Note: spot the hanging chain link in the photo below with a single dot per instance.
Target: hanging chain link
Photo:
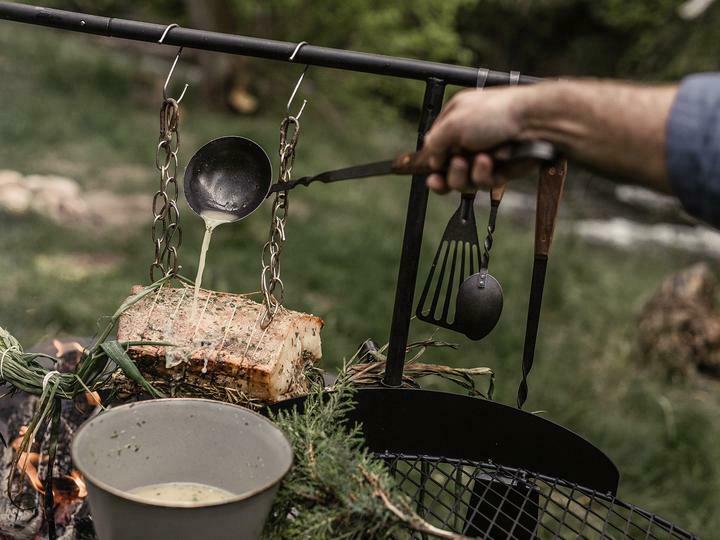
(270, 282)
(166, 232)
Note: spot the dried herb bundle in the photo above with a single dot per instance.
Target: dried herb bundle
(371, 373)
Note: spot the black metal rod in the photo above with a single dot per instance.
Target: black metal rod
(249, 46)
(412, 242)
(533, 322)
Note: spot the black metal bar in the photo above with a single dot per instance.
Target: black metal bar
(533, 321)
(249, 46)
(412, 242)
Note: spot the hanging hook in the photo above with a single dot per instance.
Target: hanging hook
(298, 83)
(482, 77)
(172, 68)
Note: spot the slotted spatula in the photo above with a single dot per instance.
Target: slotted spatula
(457, 258)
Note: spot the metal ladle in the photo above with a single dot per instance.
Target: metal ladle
(234, 175)
(229, 174)
(480, 297)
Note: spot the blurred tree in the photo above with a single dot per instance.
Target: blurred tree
(422, 29)
(226, 78)
(645, 39)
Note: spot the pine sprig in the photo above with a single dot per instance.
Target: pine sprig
(325, 496)
(336, 488)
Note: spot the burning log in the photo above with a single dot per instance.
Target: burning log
(218, 347)
(23, 517)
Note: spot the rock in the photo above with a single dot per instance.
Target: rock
(649, 200)
(679, 327)
(55, 185)
(628, 234)
(9, 177)
(15, 198)
(117, 211)
(63, 201)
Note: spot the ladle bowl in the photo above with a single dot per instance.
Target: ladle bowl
(230, 174)
(478, 309)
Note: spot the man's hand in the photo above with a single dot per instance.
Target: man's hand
(617, 129)
(471, 122)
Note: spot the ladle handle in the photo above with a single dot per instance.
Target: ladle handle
(496, 195)
(541, 151)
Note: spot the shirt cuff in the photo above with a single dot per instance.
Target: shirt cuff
(693, 146)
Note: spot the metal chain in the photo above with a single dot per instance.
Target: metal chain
(166, 232)
(271, 284)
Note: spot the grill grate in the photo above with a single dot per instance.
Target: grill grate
(483, 499)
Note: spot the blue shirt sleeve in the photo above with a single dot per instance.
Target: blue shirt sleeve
(693, 146)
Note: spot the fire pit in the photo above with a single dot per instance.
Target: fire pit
(23, 516)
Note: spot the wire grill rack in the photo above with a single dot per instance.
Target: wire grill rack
(487, 500)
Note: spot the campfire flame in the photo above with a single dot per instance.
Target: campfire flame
(70, 348)
(80, 482)
(63, 348)
(28, 465)
(67, 489)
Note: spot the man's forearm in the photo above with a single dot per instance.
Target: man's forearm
(617, 128)
(666, 138)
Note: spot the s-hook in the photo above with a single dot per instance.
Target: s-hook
(172, 68)
(482, 77)
(298, 83)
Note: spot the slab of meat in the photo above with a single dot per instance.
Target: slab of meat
(218, 343)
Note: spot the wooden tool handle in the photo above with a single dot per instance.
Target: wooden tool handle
(496, 194)
(411, 163)
(540, 151)
(550, 186)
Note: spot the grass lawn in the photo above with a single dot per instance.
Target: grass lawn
(69, 107)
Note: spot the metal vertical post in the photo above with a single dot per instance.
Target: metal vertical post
(412, 242)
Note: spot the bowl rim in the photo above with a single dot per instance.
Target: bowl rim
(184, 506)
